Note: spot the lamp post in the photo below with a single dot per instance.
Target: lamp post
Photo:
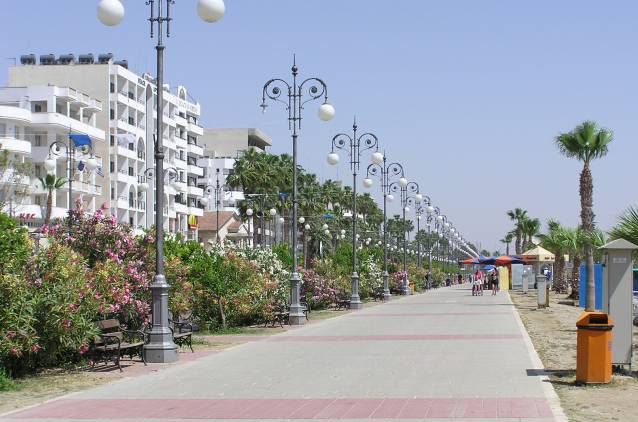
(260, 203)
(315, 89)
(410, 195)
(354, 145)
(385, 172)
(160, 348)
(419, 211)
(55, 149)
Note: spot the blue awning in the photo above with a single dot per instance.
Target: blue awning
(80, 140)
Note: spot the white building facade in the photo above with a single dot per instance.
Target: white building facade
(35, 124)
(128, 118)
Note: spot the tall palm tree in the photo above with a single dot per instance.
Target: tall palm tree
(530, 228)
(506, 241)
(586, 143)
(518, 215)
(50, 183)
(556, 241)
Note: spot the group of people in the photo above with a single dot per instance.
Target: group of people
(481, 281)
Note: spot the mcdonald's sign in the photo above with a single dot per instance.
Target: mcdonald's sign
(192, 222)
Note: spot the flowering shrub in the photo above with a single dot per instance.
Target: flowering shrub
(396, 282)
(318, 291)
(46, 316)
(370, 276)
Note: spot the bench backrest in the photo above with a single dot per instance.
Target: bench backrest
(108, 326)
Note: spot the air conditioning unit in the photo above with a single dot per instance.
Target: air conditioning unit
(27, 59)
(86, 59)
(104, 58)
(123, 63)
(66, 59)
(47, 59)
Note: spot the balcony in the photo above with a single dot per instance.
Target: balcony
(83, 187)
(125, 152)
(195, 128)
(195, 169)
(195, 149)
(15, 113)
(18, 146)
(66, 123)
(196, 211)
(123, 176)
(181, 208)
(195, 191)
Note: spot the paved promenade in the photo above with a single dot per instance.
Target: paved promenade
(436, 356)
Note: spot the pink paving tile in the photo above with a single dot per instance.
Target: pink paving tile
(389, 409)
(251, 409)
(395, 337)
(426, 314)
(415, 409)
(441, 408)
(363, 408)
(311, 408)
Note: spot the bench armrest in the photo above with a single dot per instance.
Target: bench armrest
(135, 333)
(111, 339)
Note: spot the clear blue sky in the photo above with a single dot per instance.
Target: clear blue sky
(468, 95)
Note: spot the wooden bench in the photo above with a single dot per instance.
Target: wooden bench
(113, 342)
(281, 314)
(182, 331)
(341, 301)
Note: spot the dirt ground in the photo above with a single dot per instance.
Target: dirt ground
(553, 332)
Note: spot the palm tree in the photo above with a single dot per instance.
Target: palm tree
(556, 241)
(530, 227)
(574, 247)
(586, 143)
(50, 183)
(627, 227)
(506, 241)
(518, 215)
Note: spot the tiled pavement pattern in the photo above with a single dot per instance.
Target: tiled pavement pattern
(437, 356)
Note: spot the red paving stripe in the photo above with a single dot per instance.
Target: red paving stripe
(425, 314)
(245, 409)
(395, 337)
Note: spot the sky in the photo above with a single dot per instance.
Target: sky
(468, 95)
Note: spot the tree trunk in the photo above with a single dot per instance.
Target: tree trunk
(587, 218)
(573, 282)
(560, 286)
(47, 218)
(222, 315)
(517, 244)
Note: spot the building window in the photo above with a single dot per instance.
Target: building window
(130, 221)
(112, 114)
(112, 167)
(112, 87)
(112, 140)
(131, 121)
(112, 192)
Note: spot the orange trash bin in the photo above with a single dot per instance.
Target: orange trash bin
(593, 348)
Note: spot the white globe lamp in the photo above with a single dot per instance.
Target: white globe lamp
(326, 112)
(50, 164)
(302, 220)
(367, 183)
(333, 158)
(273, 212)
(210, 10)
(376, 158)
(249, 212)
(390, 198)
(110, 12)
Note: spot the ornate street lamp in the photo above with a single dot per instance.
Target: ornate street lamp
(410, 195)
(419, 211)
(59, 149)
(385, 172)
(354, 145)
(313, 88)
(160, 348)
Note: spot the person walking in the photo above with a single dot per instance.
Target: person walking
(477, 288)
(494, 282)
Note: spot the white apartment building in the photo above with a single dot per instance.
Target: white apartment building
(222, 147)
(34, 118)
(128, 117)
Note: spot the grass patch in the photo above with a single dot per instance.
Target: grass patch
(6, 382)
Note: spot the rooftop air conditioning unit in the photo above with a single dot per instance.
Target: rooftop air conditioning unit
(27, 59)
(47, 59)
(66, 59)
(104, 58)
(86, 59)
(123, 63)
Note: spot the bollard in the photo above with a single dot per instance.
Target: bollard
(541, 289)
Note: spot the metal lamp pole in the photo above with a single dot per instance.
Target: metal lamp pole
(314, 88)
(56, 149)
(161, 348)
(385, 172)
(354, 145)
(410, 195)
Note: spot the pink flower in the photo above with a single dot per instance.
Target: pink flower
(11, 334)
(14, 352)
(83, 349)
(35, 347)
(73, 307)
(66, 324)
